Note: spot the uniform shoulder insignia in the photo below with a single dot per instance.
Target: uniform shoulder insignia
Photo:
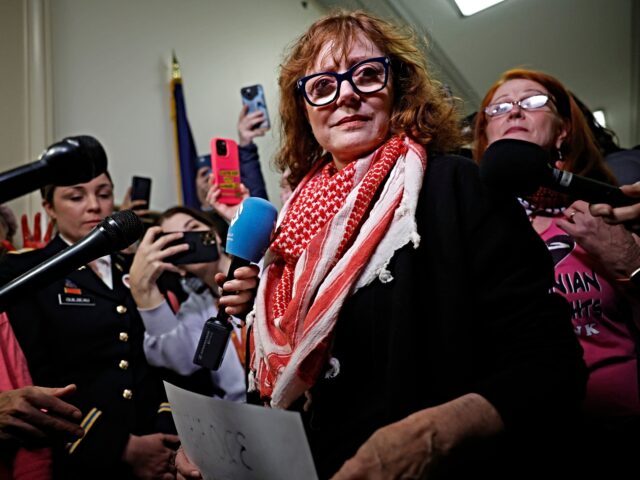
(21, 251)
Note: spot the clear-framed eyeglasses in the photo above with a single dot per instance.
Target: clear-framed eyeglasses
(533, 102)
(368, 76)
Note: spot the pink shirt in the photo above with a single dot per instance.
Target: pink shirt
(601, 319)
(26, 464)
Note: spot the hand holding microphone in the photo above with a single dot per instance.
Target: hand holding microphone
(239, 290)
(248, 238)
(613, 246)
(628, 215)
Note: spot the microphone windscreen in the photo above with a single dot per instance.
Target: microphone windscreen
(122, 229)
(250, 230)
(77, 159)
(515, 166)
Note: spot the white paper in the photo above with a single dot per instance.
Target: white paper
(236, 441)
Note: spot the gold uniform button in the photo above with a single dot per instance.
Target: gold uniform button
(127, 394)
(121, 309)
(123, 364)
(123, 336)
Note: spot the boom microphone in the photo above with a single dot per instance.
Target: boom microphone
(248, 238)
(111, 235)
(520, 168)
(70, 161)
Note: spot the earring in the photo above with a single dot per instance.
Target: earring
(559, 154)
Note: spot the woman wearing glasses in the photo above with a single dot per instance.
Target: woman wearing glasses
(592, 260)
(396, 314)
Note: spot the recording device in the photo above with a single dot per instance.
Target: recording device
(253, 96)
(520, 168)
(141, 190)
(248, 238)
(70, 161)
(225, 164)
(112, 234)
(202, 248)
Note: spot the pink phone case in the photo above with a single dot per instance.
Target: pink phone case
(226, 167)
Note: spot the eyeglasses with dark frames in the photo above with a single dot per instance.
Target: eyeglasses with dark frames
(533, 102)
(367, 76)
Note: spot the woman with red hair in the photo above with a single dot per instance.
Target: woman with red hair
(593, 260)
(394, 312)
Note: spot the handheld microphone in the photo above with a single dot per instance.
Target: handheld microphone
(68, 162)
(248, 238)
(520, 168)
(111, 235)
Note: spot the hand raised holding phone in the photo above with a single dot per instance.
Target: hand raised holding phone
(225, 211)
(140, 192)
(150, 262)
(138, 195)
(254, 99)
(247, 122)
(225, 169)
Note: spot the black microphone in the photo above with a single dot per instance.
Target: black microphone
(72, 160)
(520, 168)
(110, 235)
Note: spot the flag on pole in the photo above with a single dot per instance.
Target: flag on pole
(186, 155)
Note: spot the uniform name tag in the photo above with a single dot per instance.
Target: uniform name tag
(76, 300)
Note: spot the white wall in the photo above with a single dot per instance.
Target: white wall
(111, 72)
(13, 112)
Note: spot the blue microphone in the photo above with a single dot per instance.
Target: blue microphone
(250, 230)
(248, 238)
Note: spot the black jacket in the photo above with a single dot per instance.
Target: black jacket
(469, 310)
(77, 330)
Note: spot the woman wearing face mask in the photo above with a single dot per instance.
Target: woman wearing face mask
(84, 329)
(171, 338)
(395, 314)
(592, 259)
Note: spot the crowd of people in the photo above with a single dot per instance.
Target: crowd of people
(421, 323)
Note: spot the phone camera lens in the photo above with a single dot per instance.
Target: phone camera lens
(221, 147)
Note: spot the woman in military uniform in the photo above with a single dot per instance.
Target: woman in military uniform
(85, 329)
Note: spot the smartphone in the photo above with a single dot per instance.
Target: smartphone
(225, 165)
(141, 190)
(253, 96)
(202, 248)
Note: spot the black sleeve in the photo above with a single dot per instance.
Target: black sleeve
(12, 265)
(250, 172)
(26, 320)
(533, 371)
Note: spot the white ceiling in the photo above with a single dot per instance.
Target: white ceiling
(592, 46)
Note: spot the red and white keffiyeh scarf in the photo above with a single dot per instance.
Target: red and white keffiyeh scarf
(336, 234)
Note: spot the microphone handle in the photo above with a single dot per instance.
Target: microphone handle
(236, 262)
(215, 334)
(589, 190)
(22, 180)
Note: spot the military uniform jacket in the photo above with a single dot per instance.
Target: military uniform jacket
(77, 330)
